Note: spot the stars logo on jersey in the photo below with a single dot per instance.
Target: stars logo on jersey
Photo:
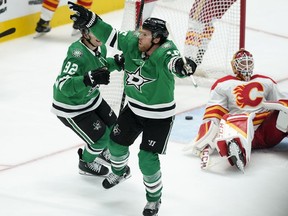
(77, 53)
(97, 125)
(116, 130)
(137, 80)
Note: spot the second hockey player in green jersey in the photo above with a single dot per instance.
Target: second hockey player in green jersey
(78, 104)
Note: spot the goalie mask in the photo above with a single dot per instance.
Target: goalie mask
(243, 64)
(157, 27)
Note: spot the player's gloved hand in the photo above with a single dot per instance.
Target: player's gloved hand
(119, 60)
(96, 77)
(185, 69)
(82, 17)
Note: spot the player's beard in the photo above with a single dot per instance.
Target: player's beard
(143, 47)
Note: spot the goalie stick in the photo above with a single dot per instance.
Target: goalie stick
(7, 32)
(205, 158)
(206, 163)
(138, 21)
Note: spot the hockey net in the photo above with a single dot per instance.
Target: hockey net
(208, 31)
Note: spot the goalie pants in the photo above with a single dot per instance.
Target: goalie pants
(155, 134)
(267, 135)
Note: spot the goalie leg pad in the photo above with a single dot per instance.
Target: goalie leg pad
(238, 128)
(206, 135)
(222, 148)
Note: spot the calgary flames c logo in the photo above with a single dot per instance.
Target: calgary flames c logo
(248, 95)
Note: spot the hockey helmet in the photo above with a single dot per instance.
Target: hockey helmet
(157, 27)
(243, 64)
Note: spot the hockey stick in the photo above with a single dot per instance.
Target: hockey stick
(7, 32)
(215, 162)
(187, 67)
(205, 158)
(138, 21)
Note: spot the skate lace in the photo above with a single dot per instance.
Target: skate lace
(112, 178)
(94, 166)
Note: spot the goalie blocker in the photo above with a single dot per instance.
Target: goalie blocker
(282, 119)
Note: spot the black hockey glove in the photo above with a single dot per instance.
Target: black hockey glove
(82, 18)
(185, 69)
(96, 77)
(119, 60)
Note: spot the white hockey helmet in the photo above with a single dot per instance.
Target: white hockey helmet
(243, 64)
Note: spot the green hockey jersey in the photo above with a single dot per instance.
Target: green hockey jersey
(148, 82)
(70, 95)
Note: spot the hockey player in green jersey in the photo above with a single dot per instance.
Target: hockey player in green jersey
(77, 101)
(151, 61)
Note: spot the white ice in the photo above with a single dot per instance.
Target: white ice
(38, 159)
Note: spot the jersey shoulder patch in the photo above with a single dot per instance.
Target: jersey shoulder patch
(167, 45)
(77, 53)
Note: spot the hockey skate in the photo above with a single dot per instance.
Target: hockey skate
(114, 179)
(42, 28)
(91, 169)
(235, 155)
(152, 208)
(104, 158)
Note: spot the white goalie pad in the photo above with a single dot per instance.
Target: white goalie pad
(206, 136)
(282, 119)
(238, 127)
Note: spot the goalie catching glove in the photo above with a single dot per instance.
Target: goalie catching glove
(184, 68)
(96, 77)
(82, 18)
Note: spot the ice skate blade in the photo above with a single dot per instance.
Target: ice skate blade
(37, 35)
(89, 174)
